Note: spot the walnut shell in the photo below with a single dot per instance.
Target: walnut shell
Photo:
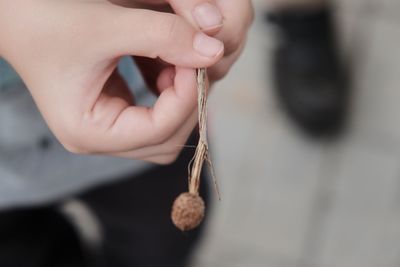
(187, 211)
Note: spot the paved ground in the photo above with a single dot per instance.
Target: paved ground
(293, 202)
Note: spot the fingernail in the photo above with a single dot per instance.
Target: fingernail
(207, 16)
(206, 45)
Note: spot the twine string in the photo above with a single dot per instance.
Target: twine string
(201, 153)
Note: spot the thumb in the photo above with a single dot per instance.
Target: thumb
(154, 34)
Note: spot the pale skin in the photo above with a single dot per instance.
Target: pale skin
(67, 51)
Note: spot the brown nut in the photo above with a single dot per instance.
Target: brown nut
(187, 211)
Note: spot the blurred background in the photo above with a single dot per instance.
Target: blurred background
(289, 200)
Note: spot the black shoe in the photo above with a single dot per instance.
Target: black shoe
(309, 78)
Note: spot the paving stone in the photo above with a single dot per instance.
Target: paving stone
(376, 100)
(361, 228)
(291, 202)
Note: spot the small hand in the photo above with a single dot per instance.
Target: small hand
(226, 20)
(67, 52)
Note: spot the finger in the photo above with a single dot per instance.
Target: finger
(153, 34)
(219, 70)
(238, 16)
(204, 14)
(166, 79)
(114, 94)
(169, 149)
(132, 127)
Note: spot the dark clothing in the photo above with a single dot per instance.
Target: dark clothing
(134, 214)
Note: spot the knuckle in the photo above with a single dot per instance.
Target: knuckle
(172, 35)
(171, 26)
(232, 44)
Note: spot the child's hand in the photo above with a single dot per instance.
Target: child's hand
(226, 20)
(67, 52)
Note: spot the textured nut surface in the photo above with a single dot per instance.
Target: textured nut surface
(187, 211)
